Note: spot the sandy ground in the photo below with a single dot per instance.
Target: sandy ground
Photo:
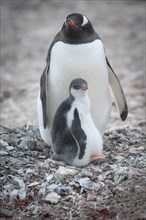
(27, 29)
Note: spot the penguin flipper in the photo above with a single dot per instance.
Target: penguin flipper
(43, 96)
(44, 83)
(117, 92)
(78, 134)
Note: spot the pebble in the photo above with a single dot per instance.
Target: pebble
(119, 158)
(22, 193)
(52, 197)
(133, 150)
(6, 213)
(10, 148)
(63, 173)
(3, 153)
(49, 177)
(85, 182)
(35, 183)
(41, 191)
(35, 210)
(141, 149)
(8, 187)
(52, 187)
(24, 145)
(3, 143)
(51, 162)
(86, 173)
(18, 181)
(63, 190)
(13, 194)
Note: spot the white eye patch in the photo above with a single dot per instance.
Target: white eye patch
(85, 21)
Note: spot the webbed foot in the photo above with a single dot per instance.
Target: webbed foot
(97, 156)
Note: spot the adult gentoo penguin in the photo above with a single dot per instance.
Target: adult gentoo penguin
(77, 51)
(75, 139)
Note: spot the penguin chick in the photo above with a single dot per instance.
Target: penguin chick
(75, 139)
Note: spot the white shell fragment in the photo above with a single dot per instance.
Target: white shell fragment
(52, 198)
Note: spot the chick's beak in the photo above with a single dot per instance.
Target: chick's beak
(84, 87)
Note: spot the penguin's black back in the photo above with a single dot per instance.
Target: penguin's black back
(63, 142)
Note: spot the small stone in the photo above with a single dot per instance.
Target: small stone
(13, 170)
(92, 196)
(41, 192)
(6, 213)
(9, 148)
(86, 173)
(24, 145)
(29, 171)
(35, 183)
(3, 143)
(119, 158)
(86, 183)
(35, 153)
(52, 197)
(133, 150)
(37, 134)
(21, 171)
(52, 187)
(49, 177)
(63, 190)
(13, 194)
(3, 153)
(140, 149)
(22, 194)
(74, 184)
(120, 175)
(36, 210)
(49, 161)
(64, 172)
(100, 200)
(19, 181)
(8, 187)
(41, 156)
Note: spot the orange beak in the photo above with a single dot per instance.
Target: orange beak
(71, 23)
(84, 87)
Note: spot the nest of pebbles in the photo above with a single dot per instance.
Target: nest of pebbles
(33, 186)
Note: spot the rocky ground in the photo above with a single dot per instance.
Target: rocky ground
(35, 187)
(32, 185)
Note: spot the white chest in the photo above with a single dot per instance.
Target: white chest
(71, 61)
(94, 142)
(85, 61)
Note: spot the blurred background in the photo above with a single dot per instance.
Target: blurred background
(27, 29)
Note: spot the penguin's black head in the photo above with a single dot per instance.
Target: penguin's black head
(78, 29)
(78, 87)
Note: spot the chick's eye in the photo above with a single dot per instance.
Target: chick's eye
(75, 86)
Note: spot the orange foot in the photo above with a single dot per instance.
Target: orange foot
(97, 156)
